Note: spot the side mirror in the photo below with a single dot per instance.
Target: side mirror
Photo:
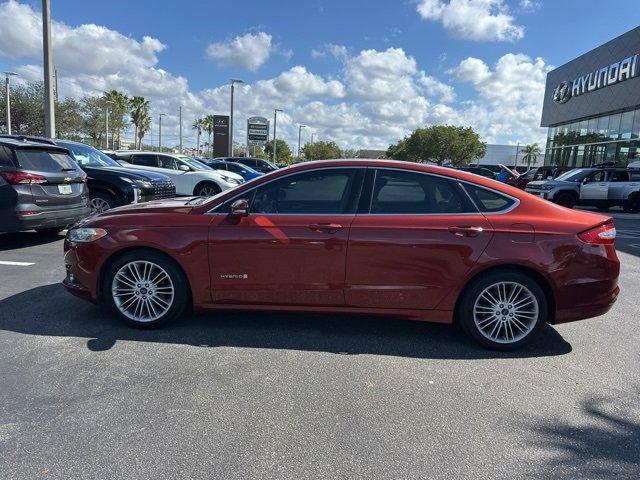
(239, 208)
(549, 177)
(184, 168)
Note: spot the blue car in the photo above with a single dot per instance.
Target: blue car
(244, 171)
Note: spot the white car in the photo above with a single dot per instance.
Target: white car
(189, 176)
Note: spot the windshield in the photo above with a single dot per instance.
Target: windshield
(576, 175)
(192, 162)
(87, 156)
(238, 167)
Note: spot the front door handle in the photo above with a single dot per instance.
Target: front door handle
(325, 227)
(466, 231)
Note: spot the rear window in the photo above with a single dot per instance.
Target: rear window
(488, 200)
(44, 160)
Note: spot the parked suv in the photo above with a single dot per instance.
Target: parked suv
(541, 173)
(601, 187)
(258, 164)
(41, 187)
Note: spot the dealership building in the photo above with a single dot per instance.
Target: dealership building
(592, 106)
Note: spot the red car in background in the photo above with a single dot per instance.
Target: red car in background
(358, 236)
(540, 173)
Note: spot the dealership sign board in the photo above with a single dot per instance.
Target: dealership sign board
(220, 135)
(603, 77)
(257, 130)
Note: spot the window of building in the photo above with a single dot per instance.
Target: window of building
(635, 131)
(626, 125)
(602, 130)
(614, 126)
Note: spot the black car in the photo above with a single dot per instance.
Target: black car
(264, 166)
(41, 187)
(110, 184)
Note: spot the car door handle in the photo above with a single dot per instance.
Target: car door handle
(325, 227)
(466, 231)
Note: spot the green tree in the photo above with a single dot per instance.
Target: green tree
(118, 104)
(283, 152)
(321, 150)
(208, 124)
(531, 153)
(198, 126)
(439, 144)
(92, 109)
(139, 112)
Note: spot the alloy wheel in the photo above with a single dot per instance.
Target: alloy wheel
(142, 291)
(505, 312)
(99, 205)
(208, 191)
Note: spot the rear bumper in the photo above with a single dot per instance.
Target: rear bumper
(45, 219)
(600, 306)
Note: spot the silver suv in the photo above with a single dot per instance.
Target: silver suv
(600, 187)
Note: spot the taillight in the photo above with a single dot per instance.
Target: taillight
(17, 178)
(604, 234)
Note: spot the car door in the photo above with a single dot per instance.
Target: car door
(594, 187)
(183, 181)
(413, 242)
(291, 248)
(619, 183)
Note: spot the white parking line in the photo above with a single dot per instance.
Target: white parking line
(17, 264)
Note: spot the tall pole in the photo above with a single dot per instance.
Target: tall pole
(106, 122)
(49, 107)
(8, 99)
(160, 132)
(180, 128)
(275, 120)
(517, 150)
(233, 82)
(299, 135)
(312, 135)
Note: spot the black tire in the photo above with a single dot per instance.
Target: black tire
(603, 208)
(565, 199)
(50, 232)
(207, 189)
(180, 299)
(104, 199)
(632, 204)
(465, 309)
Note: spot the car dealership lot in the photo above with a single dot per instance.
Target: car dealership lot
(248, 395)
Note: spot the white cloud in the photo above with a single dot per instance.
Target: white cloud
(248, 51)
(482, 20)
(338, 51)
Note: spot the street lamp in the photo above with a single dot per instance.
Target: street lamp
(300, 127)
(8, 99)
(106, 118)
(233, 82)
(49, 107)
(275, 119)
(160, 131)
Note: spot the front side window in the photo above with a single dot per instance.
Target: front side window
(596, 176)
(168, 162)
(397, 192)
(317, 192)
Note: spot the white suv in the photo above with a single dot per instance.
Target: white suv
(189, 175)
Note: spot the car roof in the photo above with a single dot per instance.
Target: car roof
(20, 142)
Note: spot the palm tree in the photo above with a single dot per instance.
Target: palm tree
(119, 104)
(208, 127)
(531, 153)
(198, 126)
(140, 118)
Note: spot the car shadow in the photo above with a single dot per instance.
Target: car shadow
(606, 444)
(50, 310)
(14, 241)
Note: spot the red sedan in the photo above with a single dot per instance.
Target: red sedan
(358, 236)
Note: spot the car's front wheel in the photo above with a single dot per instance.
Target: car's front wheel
(146, 289)
(503, 310)
(207, 189)
(101, 202)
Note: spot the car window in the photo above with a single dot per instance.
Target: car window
(396, 192)
(576, 175)
(6, 156)
(634, 176)
(317, 192)
(45, 160)
(597, 176)
(146, 160)
(488, 201)
(619, 176)
(168, 162)
(88, 156)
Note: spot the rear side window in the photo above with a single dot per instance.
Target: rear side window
(45, 160)
(398, 192)
(488, 201)
(619, 176)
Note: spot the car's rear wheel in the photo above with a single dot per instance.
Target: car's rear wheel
(632, 204)
(565, 199)
(207, 189)
(503, 310)
(101, 202)
(145, 289)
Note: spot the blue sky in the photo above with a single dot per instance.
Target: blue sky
(428, 61)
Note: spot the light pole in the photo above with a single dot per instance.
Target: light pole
(8, 99)
(275, 119)
(180, 128)
(313, 134)
(49, 107)
(300, 127)
(106, 120)
(233, 82)
(160, 132)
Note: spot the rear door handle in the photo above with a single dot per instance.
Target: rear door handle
(466, 231)
(325, 227)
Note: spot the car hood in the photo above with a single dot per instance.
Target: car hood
(132, 174)
(553, 183)
(168, 205)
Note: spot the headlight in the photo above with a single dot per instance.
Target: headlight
(84, 235)
(546, 187)
(230, 180)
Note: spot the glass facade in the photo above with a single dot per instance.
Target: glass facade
(607, 138)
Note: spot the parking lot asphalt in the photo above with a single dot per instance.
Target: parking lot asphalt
(244, 395)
